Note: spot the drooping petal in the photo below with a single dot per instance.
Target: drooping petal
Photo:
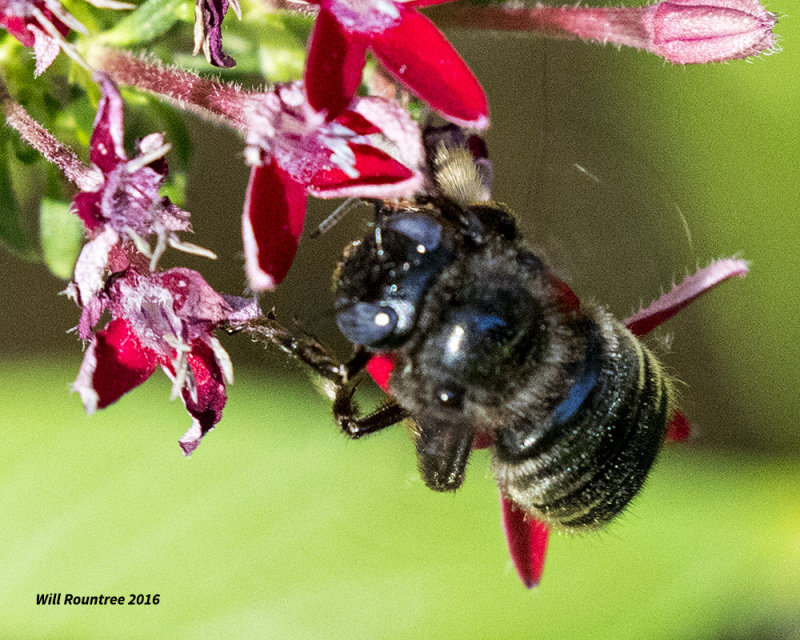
(114, 363)
(274, 210)
(334, 65)
(527, 542)
(645, 320)
(206, 399)
(106, 149)
(416, 53)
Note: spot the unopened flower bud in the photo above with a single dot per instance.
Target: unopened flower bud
(687, 31)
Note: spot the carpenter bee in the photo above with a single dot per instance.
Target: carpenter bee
(487, 344)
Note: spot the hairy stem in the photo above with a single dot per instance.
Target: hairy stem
(46, 143)
(207, 97)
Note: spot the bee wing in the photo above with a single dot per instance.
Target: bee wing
(527, 542)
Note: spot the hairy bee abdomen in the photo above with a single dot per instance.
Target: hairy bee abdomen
(584, 465)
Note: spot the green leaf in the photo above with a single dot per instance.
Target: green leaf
(61, 237)
(152, 19)
(11, 231)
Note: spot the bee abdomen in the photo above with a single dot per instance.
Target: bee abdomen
(593, 456)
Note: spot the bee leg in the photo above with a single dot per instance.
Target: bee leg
(305, 347)
(310, 351)
(346, 414)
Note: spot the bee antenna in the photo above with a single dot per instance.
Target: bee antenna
(335, 217)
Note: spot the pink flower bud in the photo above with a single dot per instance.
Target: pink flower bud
(681, 31)
(688, 31)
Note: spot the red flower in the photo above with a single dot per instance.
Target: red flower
(165, 319)
(410, 47)
(372, 149)
(41, 24)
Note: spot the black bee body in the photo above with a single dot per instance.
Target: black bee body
(485, 344)
(488, 346)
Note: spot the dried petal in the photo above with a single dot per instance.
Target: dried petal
(209, 15)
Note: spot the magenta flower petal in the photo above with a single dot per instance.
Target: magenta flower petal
(274, 210)
(106, 149)
(334, 64)
(114, 363)
(527, 542)
(645, 320)
(357, 123)
(206, 400)
(422, 59)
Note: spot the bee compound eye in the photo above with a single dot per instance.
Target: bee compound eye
(366, 323)
(420, 228)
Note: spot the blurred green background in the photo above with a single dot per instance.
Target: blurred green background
(279, 527)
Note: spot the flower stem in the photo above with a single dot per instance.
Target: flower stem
(207, 97)
(46, 143)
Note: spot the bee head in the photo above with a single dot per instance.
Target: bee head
(383, 279)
